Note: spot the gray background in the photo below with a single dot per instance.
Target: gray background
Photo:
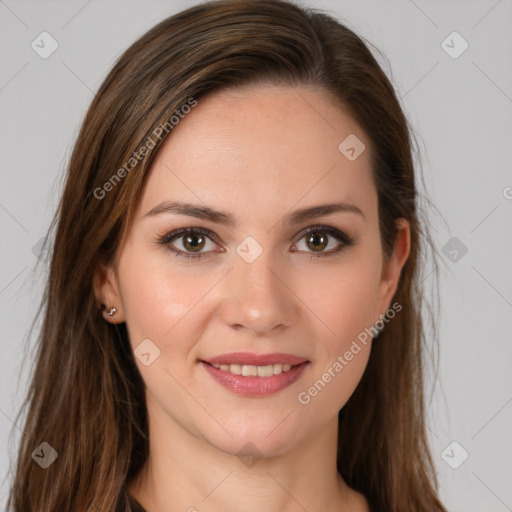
(460, 109)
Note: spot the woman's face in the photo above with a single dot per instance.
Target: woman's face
(260, 284)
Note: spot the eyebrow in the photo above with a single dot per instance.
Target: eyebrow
(228, 219)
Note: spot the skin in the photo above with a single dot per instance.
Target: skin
(259, 153)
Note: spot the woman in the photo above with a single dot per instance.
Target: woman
(233, 317)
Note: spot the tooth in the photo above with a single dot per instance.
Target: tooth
(236, 369)
(249, 371)
(278, 368)
(265, 371)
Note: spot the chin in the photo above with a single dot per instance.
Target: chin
(253, 442)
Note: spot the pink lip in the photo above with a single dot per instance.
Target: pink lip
(255, 386)
(248, 358)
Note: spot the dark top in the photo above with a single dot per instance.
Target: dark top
(128, 503)
(135, 506)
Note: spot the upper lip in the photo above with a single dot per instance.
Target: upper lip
(247, 358)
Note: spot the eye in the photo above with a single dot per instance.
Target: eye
(190, 242)
(319, 238)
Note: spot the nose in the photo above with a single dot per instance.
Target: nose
(259, 297)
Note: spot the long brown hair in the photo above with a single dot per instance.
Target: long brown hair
(86, 397)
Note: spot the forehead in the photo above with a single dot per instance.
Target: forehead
(261, 146)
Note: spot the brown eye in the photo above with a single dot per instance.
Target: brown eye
(193, 242)
(317, 241)
(319, 238)
(190, 242)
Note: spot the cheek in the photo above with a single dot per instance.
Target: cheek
(343, 296)
(342, 352)
(157, 297)
(332, 385)
(162, 304)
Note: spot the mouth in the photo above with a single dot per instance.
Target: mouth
(266, 375)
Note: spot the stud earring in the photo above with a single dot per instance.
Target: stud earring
(112, 312)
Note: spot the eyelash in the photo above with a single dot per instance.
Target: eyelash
(165, 240)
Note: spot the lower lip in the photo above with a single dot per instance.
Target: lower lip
(255, 386)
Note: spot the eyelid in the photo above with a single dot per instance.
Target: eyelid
(330, 230)
(176, 233)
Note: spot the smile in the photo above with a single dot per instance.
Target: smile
(255, 381)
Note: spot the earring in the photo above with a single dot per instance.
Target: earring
(112, 312)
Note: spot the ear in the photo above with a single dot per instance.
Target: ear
(393, 265)
(106, 291)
